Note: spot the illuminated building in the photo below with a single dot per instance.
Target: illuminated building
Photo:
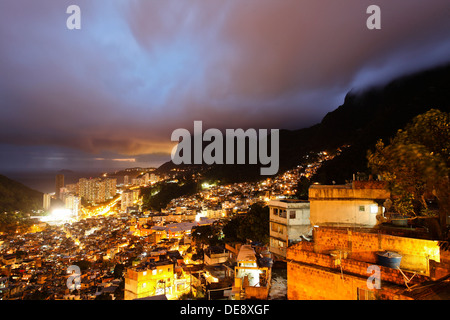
(72, 203)
(289, 220)
(73, 188)
(359, 259)
(146, 178)
(215, 255)
(347, 260)
(351, 204)
(97, 190)
(110, 187)
(149, 279)
(127, 200)
(46, 201)
(154, 178)
(252, 276)
(59, 183)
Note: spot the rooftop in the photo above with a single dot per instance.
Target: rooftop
(289, 203)
(246, 253)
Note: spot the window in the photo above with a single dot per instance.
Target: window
(362, 209)
(145, 273)
(374, 208)
(292, 215)
(363, 294)
(153, 271)
(276, 228)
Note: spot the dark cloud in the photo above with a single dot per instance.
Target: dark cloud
(137, 70)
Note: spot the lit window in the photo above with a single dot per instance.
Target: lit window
(374, 208)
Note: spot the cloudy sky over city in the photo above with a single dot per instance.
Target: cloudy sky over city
(111, 93)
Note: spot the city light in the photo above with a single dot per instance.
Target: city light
(58, 215)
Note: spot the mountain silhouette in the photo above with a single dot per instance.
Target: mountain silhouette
(364, 117)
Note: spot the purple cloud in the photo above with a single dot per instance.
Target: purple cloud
(137, 70)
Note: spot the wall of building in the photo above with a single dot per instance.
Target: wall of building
(315, 283)
(346, 204)
(362, 246)
(335, 265)
(258, 293)
(356, 190)
(277, 247)
(289, 220)
(216, 258)
(345, 212)
(140, 284)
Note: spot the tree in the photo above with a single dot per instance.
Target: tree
(83, 264)
(158, 197)
(254, 225)
(303, 188)
(10, 222)
(416, 165)
(118, 270)
(231, 229)
(205, 235)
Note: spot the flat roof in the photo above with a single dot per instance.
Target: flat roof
(246, 253)
(330, 186)
(158, 297)
(289, 203)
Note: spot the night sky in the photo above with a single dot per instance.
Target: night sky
(110, 95)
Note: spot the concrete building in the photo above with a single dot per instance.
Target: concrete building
(46, 201)
(358, 203)
(252, 276)
(343, 264)
(149, 279)
(346, 257)
(73, 203)
(59, 183)
(215, 255)
(146, 178)
(154, 178)
(73, 188)
(289, 221)
(127, 200)
(110, 187)
(97, 190)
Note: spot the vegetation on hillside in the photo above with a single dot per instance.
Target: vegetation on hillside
(416, 164)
